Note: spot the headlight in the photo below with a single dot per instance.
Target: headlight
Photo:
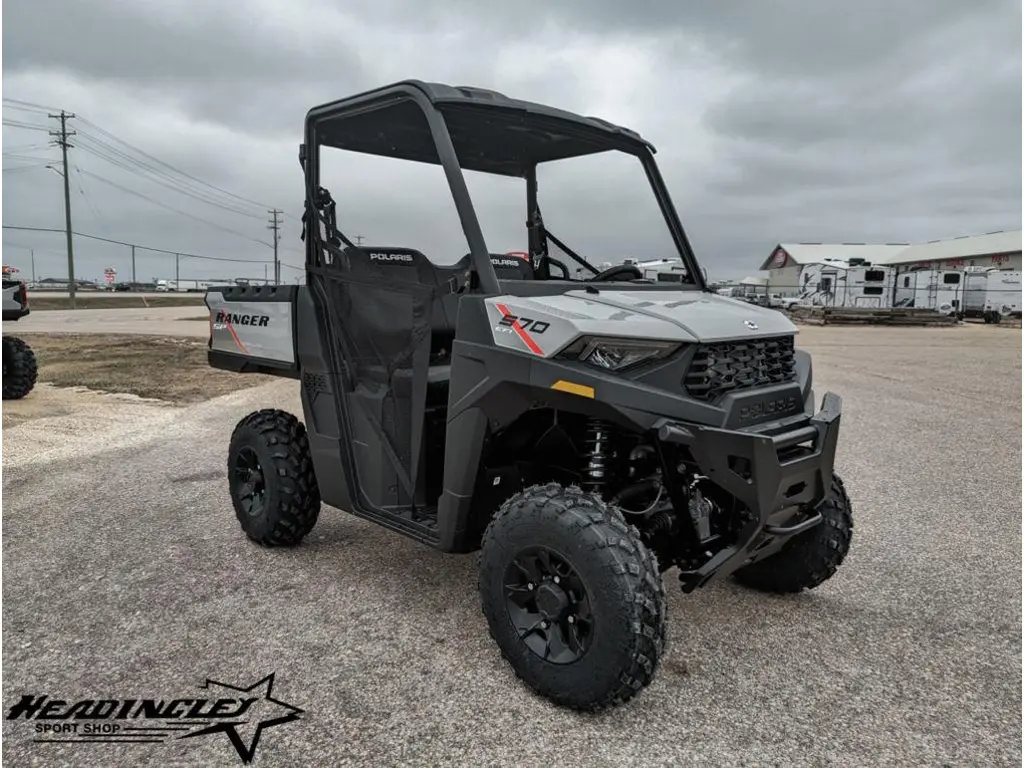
(613, 354)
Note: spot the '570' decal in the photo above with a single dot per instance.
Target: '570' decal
(523, 327)
(507, 324)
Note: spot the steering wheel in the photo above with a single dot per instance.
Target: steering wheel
(618, 272)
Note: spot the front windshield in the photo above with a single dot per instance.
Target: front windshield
(600, 207)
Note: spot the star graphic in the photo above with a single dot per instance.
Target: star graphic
(264, 713)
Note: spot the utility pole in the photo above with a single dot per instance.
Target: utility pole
(177, 273)
(275, 225)
(33, 254)
(359, 239)
(62, 140)
(133, 267)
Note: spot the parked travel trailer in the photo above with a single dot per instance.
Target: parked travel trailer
(840, 283)
(937, 289)
(1003, 295)
(663, 270)
(975, 286)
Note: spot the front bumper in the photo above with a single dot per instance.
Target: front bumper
(766, 473)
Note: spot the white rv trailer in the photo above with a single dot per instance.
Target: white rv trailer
(841, 283)
(975, 284)
(1003, 295)
(986, 290)
(938, 289)
(663, 270)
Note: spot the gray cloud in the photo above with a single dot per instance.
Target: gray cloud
(774, 121)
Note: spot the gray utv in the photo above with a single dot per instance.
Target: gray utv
(20, 369)
(584, 435)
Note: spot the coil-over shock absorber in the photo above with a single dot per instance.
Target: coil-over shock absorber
(596, 454)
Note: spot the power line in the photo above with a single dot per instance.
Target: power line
(25, 167)
(24, 125)
(24, 148)
(175, 210)
(23, 104)
(95, 211)
(133, 160)
(111, 136)
(29, 106)
(126, 162)
(136, 245)
(17, 156)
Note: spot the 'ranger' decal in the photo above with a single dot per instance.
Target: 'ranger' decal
(260, 321)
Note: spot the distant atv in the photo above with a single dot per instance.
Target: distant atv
(19, 361)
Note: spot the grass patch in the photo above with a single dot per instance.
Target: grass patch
(164, 367)
(41, 303)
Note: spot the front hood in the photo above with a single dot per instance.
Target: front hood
(702, 316)
(542, 325)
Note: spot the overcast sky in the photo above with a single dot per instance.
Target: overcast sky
(775, 121)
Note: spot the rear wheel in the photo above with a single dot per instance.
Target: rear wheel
(811, 558)
(20, 369)
(271, 480)
(572, 597)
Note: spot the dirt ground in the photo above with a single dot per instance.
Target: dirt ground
(75, 368)
(127, 575)
(41, 303)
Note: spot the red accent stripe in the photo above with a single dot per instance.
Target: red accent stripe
(527, 339)
(238, 341)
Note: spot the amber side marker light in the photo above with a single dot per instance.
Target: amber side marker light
(573, 389)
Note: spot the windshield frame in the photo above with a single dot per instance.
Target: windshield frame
(468, 122)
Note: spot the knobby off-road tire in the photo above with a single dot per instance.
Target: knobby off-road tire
(617, 655)
(278, 502)
(811, 558)
(20, 369)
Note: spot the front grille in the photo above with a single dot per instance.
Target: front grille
(728, 366)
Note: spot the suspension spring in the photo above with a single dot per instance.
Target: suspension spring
(597, 452)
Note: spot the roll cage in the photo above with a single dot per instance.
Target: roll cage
(473, 129)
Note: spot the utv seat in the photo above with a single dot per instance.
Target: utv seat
(389, 265)
(407, 265)
(512, 267)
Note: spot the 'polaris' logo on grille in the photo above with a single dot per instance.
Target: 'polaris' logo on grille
(260, 321)
(403, 258)
(506, 262)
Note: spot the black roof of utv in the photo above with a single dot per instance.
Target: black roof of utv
(490, 132)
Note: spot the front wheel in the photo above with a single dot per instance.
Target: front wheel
(271, 480)
(20, 368)
(572, 597)
(812, 557)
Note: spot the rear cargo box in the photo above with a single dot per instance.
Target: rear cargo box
(252, 328)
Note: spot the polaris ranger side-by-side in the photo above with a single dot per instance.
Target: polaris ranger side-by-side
(20, 370)
(585, 435)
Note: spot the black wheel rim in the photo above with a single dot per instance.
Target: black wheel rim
(548, 605)
(250, 486)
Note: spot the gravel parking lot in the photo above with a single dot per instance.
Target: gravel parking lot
(126, 576)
